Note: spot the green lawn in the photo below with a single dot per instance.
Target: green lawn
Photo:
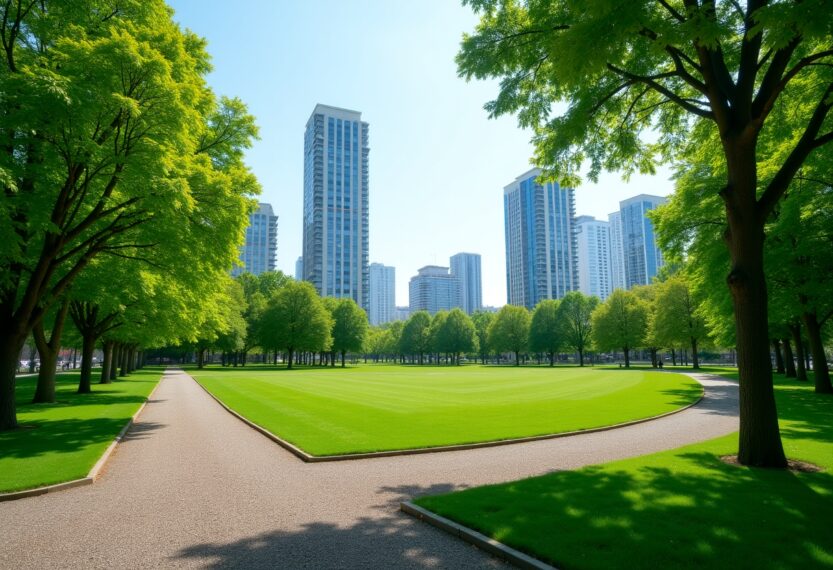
(375, 408)
(62, 441)
(680, 508)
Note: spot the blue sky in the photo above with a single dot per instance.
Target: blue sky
(438, 164)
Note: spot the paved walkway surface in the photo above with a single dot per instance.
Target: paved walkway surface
(192, 486)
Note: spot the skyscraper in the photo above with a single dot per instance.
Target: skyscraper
(433, 289)
(259, 252)
(642, 257)
(617, 252)
(336, 203)
(540, 240)
(382, 294)
(593, 249)
(466, 268)
(299, 268)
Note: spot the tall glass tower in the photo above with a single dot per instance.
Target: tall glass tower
(466, 268)
(540, 240)
(260, 249)
(642, 258)
(336, 204)
(382, 294)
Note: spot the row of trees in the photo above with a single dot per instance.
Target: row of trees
(125, 195)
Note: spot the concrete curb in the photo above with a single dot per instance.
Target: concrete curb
(94, 473)
(306, 457)
(481, 541)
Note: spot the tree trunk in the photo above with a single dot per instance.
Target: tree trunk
(789, 362)
(87, 350)
(820, 370)
(759, 442)
(289, 359)
(626, 352)
(801, 369)
(552, 358)
(695, 360)
(107, 362)
(125, 352)
(674, 357)
(114, 361)
(48, 349)
(654, 358)
(581, 357)
(10, 346)
(779, 361)
(200, 358)
(517, 359)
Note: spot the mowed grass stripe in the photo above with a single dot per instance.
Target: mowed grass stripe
(381, 408)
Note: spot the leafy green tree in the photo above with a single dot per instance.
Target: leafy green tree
(458, 334)
(416, 335)
(750, 80)
(436, 333)
(546, 330)
(677, 320)
(482, 321)
(295, 319)
(349, 327)
(620, 323)
(648, 294)
(509, 332)
(574, 313)
(107, 127)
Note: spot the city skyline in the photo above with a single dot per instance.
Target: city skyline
(260, 246)
(440, 145)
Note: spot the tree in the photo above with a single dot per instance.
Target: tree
(509, 332)
(677, 320)
(296, 319)
(648, 295)
(458, 334)
(750, 80)
(482, 321)
(416, 337)
(349, 327)
(545, 330)
(107, 125)
(436, 334)
(620, 323)
(574, 313)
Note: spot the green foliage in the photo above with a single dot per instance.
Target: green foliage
(575, 314)
(457, 333)
(509, 332)
(676, 320)
(349, 326)
(482, 321)
(620, 322)
(296, 319)
(546, 330)
(416, 334)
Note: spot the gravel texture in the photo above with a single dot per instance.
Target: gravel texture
(192, 486)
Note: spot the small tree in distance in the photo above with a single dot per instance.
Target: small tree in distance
(295, 319)
(620, 323)
(349, 327)
(545, 329)
(574, 314)
(509, 332)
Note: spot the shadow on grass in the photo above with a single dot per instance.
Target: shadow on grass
(389, 540)
(37, 438)
(693, 512)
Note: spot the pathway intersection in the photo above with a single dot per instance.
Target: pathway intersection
(192, 486)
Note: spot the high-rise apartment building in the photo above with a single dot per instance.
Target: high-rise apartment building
(617, 252)
(433, 289)
(259, 251)
(540, 240)
(336, 204)
(299, 268)
(466, 268)
(382, 294)
(593, 249)
(642, 257)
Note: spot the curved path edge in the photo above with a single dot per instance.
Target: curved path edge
(308, 458)
(96, 470)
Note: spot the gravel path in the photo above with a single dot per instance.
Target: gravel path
(192, 486)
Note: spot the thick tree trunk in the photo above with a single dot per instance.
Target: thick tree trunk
(654, 363)
(342, 358)
(49, 349)
(201, 358)
(581, 357)
(125, 351)
(759, 441)
(673, 357)
(106, 362)
(552, 358)
(695, 360)
(801, 369)
(86, 364)
(779, 360)
(289, 359)
(10, 346)
(517, 358)
(114, 361)
(820, 370)
(626, 352)
(789, 363)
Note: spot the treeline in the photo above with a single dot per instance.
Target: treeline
(125, 196)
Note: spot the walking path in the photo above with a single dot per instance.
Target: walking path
(192, 486)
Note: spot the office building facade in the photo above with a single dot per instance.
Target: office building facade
(336, 240)
(617, 252)
(299, 268)
(260, 250)
(540, 240)
(466, 268)
(642, 258)
(382, 294)
(433, 289)
(593, 251)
